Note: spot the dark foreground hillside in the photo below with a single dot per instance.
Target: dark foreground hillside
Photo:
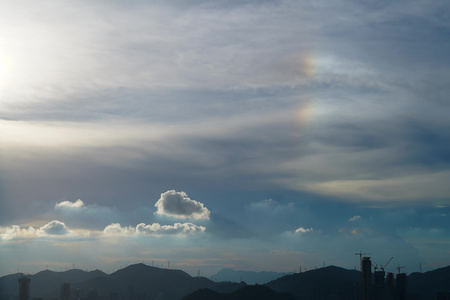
(329, 282)
(249, 292)
(338, 283)
(248, 277)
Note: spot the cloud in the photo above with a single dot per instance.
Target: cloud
(178, 204)
(270, 204)
(16, 232)
(154, 229)
(304, 230)
(354, 218)
(54, 228)
(177, 228)
(116, 229)
(67, 204)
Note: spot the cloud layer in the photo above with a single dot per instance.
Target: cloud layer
(329, 110)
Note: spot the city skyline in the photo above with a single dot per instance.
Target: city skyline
(253, 135)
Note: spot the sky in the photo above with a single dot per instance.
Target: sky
(253, 135)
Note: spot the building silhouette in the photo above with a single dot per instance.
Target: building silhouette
(65, 291)
(400, 286)
(24, 288)
(366, 279)
(381, 288)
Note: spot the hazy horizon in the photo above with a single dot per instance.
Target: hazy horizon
(252, 135)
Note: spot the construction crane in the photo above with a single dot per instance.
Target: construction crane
(382, 267)
(375, 267)
(398, 268)
(361, 254)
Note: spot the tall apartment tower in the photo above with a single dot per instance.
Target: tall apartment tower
(24, 288)
(65, 291)
(366, 279)
(401, 282)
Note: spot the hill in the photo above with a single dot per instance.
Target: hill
(426, 285)
(259, 292)
(323, 283)
(247, 276)
(46, 283)
(142, 280)
(339, 283)
(137, 281)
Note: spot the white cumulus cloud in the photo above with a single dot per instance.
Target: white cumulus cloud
(177, 228)
(54, 227)
(154, 229)
(117, 229)
(178, 204)
(303, 230)
(68, 204)
(15, 231)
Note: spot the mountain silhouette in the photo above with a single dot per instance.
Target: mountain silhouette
(134, 282)
(139, 281)
(248, 277)
(46, 284)
(427, 284)
(321, 283)
(152, 282)
(259, 292)
(338, 283)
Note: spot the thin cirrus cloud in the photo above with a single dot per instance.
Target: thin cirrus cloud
(179, 205)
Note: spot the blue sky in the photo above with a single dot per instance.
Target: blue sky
(255, 135)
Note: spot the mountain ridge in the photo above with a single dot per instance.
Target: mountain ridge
(139, 281)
